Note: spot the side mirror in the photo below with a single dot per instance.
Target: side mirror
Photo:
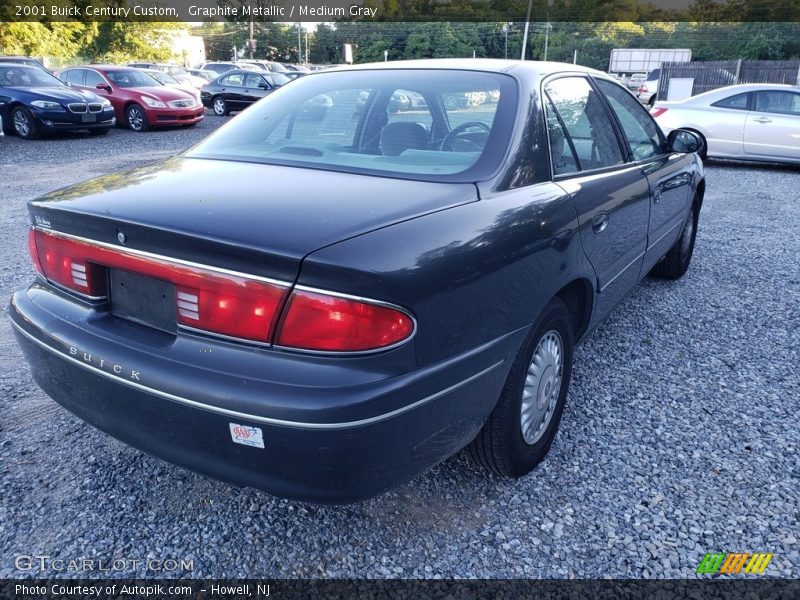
(263, 86)
(683, 141)
(104, 87)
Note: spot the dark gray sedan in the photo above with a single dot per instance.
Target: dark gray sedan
(328, 296)
(238, 89)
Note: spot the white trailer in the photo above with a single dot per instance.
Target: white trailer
(643, 60)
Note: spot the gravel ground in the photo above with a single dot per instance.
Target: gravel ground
(680, 434)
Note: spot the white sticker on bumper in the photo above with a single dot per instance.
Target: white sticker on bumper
(247, 435)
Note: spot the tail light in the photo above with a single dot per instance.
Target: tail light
(658, 111)
(229, 303)
(643, 89)
(216, 301)
(62, 262)
(319, 321)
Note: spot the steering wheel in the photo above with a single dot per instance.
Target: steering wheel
(452, 137)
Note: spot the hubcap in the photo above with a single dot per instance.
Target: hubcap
(21, 123)
(219, 107)
(542, 387)
(135, 118)
(686, 237)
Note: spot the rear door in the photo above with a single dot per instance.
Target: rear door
(667, 173)
(610, 194)
(232, 87)
(772, 129)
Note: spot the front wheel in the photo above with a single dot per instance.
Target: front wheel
(676, 262)
(136, 119)
(23, 123)
(524, 422)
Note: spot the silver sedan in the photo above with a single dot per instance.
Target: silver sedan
(758, 122)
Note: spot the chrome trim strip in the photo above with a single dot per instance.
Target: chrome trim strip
(161, 258)
(651, 246)
(630, 264)
(257, 418)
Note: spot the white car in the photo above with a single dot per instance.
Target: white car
(756, 121)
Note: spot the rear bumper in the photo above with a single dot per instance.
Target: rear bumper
(343, 435)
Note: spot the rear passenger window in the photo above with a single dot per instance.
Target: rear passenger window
(588, 125)
(738, 101)
(74, 76)
(235, 79)
(561, 151)
(641, 132)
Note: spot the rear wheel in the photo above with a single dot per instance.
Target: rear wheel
(219, 106)
(524, 422)
(23, 123)
(136, 119)
(676, 262)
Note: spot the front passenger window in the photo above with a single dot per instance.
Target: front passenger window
(641, 132)
(587, 122)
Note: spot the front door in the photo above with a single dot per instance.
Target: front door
(773, 127)
(610, 193)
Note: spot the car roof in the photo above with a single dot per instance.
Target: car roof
(104, 67)
(497, 65)
(16, 64)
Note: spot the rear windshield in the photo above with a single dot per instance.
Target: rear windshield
(432, 124)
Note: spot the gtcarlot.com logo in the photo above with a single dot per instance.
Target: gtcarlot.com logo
(733, 563)
(44, 563)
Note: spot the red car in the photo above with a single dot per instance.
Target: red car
(139, 101)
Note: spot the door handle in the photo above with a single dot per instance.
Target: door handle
(763, 120)
(599, 222)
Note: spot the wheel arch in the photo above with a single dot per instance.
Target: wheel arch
(578, 295)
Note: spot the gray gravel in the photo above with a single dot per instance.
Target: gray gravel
(680, 435)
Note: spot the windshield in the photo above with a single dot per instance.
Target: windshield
(131, 78)
(18, 76)
(433, 123)
(277, 78)
(162, 77)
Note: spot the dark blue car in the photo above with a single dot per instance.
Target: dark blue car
(326, 296)
(33, 102)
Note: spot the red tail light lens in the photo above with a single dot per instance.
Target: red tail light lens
(643, 89)
(230, 306)
(62, 262)
(219, 302)
(228, 303)
(317, 321)
(658, 111)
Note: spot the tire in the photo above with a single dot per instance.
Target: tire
(219, 106)
(676, 262)
(136, 119)
(501, 446)
(102, 131)
(23, 123)
(651, 102)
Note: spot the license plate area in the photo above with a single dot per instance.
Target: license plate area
(89, 118)
(143, 300)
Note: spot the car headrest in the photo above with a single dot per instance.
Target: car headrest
(397, 137)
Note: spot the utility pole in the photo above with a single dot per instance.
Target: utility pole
(306, 30)
(505, 31)
(546, 35)
(525, 36)
(299, 46)
(250, 41)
